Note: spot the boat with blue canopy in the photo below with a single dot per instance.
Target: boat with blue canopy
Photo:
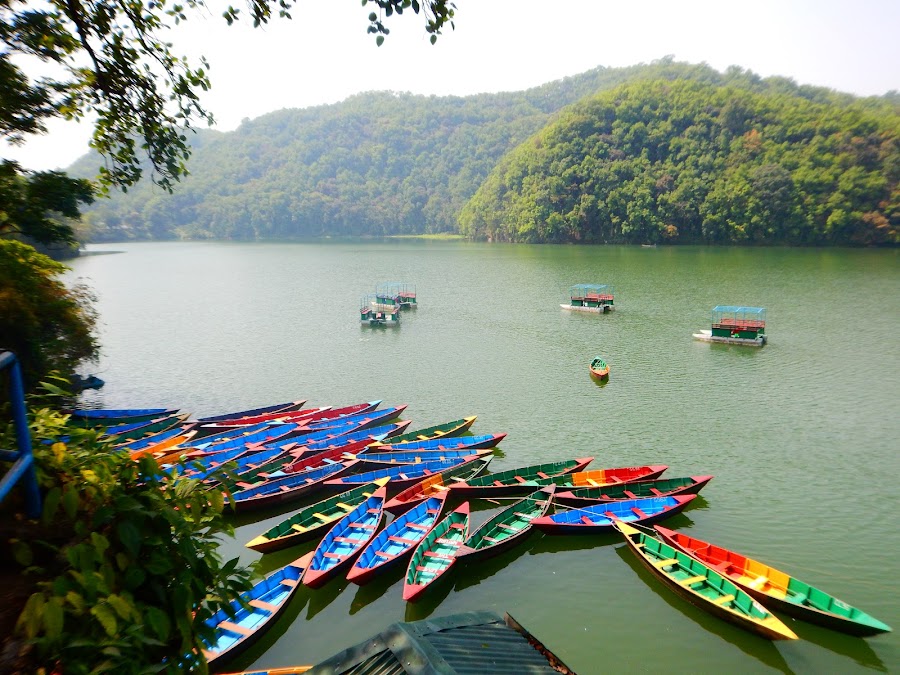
(736, 325)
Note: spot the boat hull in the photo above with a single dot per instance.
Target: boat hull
(593, 519)
(707, 336)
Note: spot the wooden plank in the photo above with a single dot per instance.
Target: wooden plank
(262, 604)
(234, 628)
(722, 599)
(665, 563)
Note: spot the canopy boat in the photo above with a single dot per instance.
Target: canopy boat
(344, 541)
(401, 475)
(516, 482)
(256, 611)
(434, 484)
(396, 542)
(374, 459)
(776, 589)
(448, 429)
(596, 298)
(440, 444)
(664, 487)
(602, 477)
(105, 417)
(599, 368)
(313, 521)
(507, 528)
(702, 585)
(286, 489)
(391, 294)
(373, 314)
(436, 553)
(278, 407)
(600, 517)
(736, 325)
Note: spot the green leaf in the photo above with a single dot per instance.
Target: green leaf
(70, 502)
(53, 618)
(51, 504)
(22, 552)
(106, 617)
(124, 608)
(158, 622)
(130, 536)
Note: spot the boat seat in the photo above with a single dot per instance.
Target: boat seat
(262, 604)
(365, 526)
(433, 554)
(234, 628)
(656, 492)
(722, 567)
(490, 539)
(374, 510)
(423, 568)
(541, 474)
(508, 527)
(497, 482)
(284, 488)
(757, 582)
(346, 540)
(447, 542)
(299, 528)
(403, 540)
(322, 517)
(591, 481)
(722, 599)
(326, 554)
(403, 476)
(587, 521)
(346, 507)
(692, 580)
(382, 554)
(244, 485)
(289, 582)
(638, 512)
(417, 526)
(659, 564)
(520, 479)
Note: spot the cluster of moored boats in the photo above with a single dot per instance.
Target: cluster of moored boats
(379, 499)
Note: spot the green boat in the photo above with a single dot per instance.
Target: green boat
(446, 430)
(517, 482)
(436, 553)
(140, 430)
(662, 487)
(507, 528)
(314, 520)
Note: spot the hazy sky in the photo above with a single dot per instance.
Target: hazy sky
(325, 55)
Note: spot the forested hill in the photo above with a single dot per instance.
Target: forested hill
(685, 161)
(386, 163)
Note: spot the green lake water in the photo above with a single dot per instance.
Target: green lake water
(801, 435)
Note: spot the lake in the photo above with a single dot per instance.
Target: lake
(801, 435)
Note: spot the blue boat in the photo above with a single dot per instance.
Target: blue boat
(269, 433)
(412, 457)
(113, 416)
(206, 441)
(327, 440)
(350, 535)
(395, 543)
(456, 443)
(265, 602)
(600, 517)
(401, 475)
(362, 421)
(287, 488)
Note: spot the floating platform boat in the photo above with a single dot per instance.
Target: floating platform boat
(390, 294)
(373, 314)
(736, 326)
(596, 298)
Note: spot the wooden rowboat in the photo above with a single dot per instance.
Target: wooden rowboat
(401, 475)
(664, 487)
(278, 407)
(434, 484)
(507, 528)
(439, 444)
(776, 589)
(133, 431)
(286, 489)
(106, 417)
(599, 368)
(446, 430)
(516, 482)
(374, 460)
(396, 542)
(306, 417)
(702, 585)
(265, 602)
(344, 541)
(436, 554)
(323, 440)
(600, 517)
(313, 521)
(602, 477)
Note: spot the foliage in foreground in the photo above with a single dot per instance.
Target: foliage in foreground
(127, 562)
(48, 325)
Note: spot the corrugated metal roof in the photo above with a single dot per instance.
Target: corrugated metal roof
(471, 643)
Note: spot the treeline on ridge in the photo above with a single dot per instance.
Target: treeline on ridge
(662, 152)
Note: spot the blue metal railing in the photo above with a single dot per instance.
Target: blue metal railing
(22, 459)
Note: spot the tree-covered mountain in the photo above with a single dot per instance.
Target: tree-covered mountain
(686, 161)
(385, 163)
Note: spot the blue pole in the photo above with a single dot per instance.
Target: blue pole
(24, 464)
